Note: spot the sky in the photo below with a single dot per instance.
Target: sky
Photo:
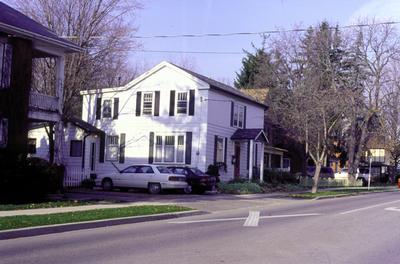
(176, 17)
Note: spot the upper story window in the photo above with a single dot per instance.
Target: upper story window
(238, 116)
(107, 109)
(377, 155)
(147, 104)
(112, 148)
(3, 132)
(182, 103)
(5, 65)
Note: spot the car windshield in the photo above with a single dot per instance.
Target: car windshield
(163, 169)
(197, 171)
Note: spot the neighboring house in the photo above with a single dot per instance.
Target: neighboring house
(282, 153)
(79, 152)
(378, 154)
(170, 115)
(21, 41)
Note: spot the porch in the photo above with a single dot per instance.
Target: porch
(255, 140)
(43, 107)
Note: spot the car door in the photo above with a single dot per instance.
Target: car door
(144, 175)
(128, 177)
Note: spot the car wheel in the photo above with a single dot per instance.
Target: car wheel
(188, 189)
(154, 188)
(107, 185)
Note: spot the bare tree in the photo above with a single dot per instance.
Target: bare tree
(376, 47)
(102, 28)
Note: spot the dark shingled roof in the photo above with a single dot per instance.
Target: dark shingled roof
(222, 87)
(14, 18)
(249, 133)
(84, 125)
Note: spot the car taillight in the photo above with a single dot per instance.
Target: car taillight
(176, 178)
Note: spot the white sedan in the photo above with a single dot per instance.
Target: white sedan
(154, 178)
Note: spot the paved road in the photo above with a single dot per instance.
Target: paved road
(362, 229)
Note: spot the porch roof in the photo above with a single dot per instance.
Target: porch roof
(84, 125)
(256, 134)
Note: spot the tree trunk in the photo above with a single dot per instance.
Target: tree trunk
(318, 166)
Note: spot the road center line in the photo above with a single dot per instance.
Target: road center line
(367, 207)
(252, 219)
(242, 218)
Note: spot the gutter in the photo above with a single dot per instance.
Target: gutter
(27, 33)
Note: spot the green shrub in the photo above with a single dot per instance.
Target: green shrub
(279, 177)
(30, 180)
(239, 188)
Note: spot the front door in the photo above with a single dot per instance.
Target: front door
(237, 160)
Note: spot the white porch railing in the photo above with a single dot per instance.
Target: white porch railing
(74, 176)
(43, 102)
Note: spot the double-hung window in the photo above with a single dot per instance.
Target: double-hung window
(107, 109)
(238, 116)
(170, 149)
(3, 132)
(112, 148)
(220, 149)
(182, 103)
(5, 65)
(147, 104)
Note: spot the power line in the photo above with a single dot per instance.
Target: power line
(240, 33)
(255, 33)
(194, 52)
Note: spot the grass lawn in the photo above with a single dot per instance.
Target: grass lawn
(13, 222)
(309, 195)
(8, 207)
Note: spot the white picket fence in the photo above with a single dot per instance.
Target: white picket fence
(74, 176)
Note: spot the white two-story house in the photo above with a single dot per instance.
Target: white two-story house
(169, 115)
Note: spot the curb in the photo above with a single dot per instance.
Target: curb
(350, 194)
(52, 229)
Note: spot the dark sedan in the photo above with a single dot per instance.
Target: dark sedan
(198, 180)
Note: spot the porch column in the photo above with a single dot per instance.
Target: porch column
(251, 151)
(60, 61)
(281, 161)
(262, 163)
(269, 161)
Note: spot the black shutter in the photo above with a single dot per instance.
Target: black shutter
(122, 148)
(157, 104)
(98, 108)
(215, 148)
(151, 147)
(232, 109)
(116, 108)
(172, 103)
(191, 102)
(188, 149)
(138, 102)
(248, 155)
(244, 117)
(225, 149)
(102, 147)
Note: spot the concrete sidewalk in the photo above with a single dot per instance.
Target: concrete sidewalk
(42, 211)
